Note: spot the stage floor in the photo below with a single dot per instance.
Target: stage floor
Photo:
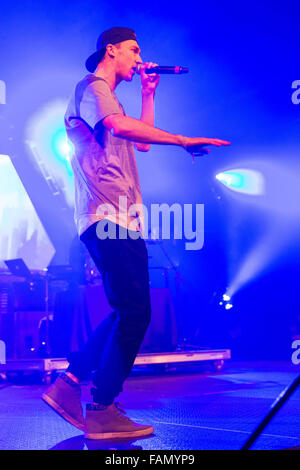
(191, 408)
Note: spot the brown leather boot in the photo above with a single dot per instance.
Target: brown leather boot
(108, 422)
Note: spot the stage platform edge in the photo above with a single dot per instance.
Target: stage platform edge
(48, 365)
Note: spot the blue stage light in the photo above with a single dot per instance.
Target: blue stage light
(60, 145)
(228, 306)
(45, 132)
(225, 302)
(243, 180)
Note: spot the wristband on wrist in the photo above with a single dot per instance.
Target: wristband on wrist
(183, 141)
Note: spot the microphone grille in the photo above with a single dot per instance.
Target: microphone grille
(138, 68)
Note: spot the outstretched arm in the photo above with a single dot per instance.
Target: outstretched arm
(138, 131)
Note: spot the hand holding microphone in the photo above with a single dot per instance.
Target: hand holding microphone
(149, 80)
(150, 74)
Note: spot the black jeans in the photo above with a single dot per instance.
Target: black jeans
(112, 349)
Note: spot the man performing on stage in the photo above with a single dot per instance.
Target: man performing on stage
(105, 169)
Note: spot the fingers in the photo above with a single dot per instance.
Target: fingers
(197, 149)
(149, 65)
(198, 143)
(219, 142)
(151, 76)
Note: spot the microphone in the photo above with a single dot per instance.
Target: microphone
(162, 69)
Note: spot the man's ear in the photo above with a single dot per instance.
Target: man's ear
(111, 50)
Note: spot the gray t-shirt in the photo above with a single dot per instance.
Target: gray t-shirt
(104, 166)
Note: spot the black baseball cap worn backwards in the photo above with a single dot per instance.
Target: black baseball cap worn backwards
(110, 36)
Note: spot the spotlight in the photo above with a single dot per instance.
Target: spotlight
(60, 144)
(226, 297)
(46, 133)
(243, 180)
(225, 302)
(228, 306)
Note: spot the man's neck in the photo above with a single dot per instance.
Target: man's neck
(107, 72)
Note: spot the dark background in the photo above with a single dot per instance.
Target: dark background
(243, 59)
